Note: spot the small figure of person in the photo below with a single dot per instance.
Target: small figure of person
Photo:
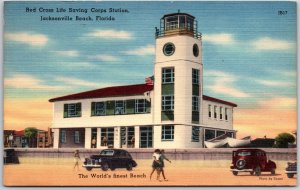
(76, 160)
(162, 158)
(132, 142)
(94, 142)
(156, 164)
(104, 140)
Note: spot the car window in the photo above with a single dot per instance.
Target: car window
(107, 153)
(244, 153)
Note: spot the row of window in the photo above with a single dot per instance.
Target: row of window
(167, 134)
(215, 112)
(168, 76)
(118, 107)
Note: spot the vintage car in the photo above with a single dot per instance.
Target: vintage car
(110, 159)
(253, 161)
(10, 156)
(291, 169)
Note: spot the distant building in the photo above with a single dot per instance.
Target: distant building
(44, 139)
(170, 111)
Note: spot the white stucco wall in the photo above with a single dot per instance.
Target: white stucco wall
(217, 122)
(183, 61)
(86, 120)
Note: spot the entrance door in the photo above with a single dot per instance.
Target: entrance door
(146, 137)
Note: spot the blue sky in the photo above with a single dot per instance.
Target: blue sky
(249, 50)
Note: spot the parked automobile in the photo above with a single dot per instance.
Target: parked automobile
(291, 169)
(110, 159)
(10, 156)
(253, 161)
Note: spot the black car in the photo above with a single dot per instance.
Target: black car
(10, 156)
(291, 169)
(110, 159)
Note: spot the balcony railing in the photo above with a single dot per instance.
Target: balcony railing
(177, 31)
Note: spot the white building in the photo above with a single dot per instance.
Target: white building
(171, 113)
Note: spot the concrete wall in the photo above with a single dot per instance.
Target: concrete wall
(173, 154)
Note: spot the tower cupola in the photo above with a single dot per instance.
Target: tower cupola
(178, 24)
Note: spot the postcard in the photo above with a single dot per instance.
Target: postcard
(171, 93)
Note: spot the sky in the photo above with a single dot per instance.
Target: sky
(249, 57)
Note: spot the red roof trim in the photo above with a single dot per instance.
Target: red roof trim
(129, 90)
(208, 98)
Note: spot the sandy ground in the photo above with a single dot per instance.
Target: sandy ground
(60, 172)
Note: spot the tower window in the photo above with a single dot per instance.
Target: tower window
(169, 49)
(195, 50)
(195, 134)
(168, 103)
(167, 133)
(195, 103)
(167, 75)
(195, 76)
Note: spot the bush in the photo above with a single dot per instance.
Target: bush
(283, 139)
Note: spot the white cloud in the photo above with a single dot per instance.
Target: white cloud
(273, 83)
(104, 57)
(77, 64)
(222, 38)
(69, 53)
(76, 81)
(36, 40)
(267, 43)
(24, 81)
(223, 83)
(111, 34)
(147, 50)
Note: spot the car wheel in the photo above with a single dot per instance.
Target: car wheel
(273, 171)
(257, 171)
(290, 175)
(129, 167)
(235, 172)
(104, 166)
(88, 168)
(251, 173)
(112, 168)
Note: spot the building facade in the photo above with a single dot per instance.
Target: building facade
(171, 112)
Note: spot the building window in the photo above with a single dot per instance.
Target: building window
(107, 137)
(209, 111)
(72, 110)
(195, 103)
(215, 112)
(140, 106)
(167, 133)
(76, 137)
(167, 75)
(167, 103)
(226, 114)
(221, 112)
(119, 107)
(195, 134)
(209, 134)
(98, 108)
(195, 76)
(219, 133)
(63, 136)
